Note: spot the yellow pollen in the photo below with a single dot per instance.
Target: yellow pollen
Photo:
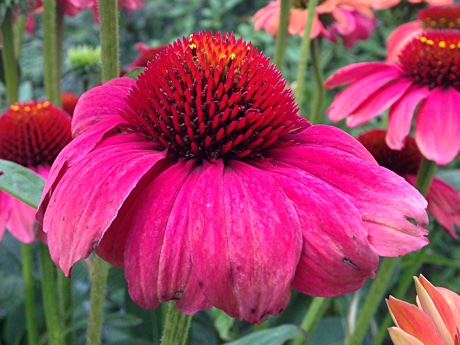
(39, 106)
(442, 20)
(458, 20)
(222, 56)
(458, 45)
(430, 42)
(433, 23)
(232, 56)
(452, 46)
(46, 104)
(451, 24)
(192, 45)
(422, 39)
(442, 44)
(27, 108)
(15, 107)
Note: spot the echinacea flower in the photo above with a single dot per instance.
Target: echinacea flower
(350, 20)
(31, 134)
(425, 81)
(443, 199)
(384, 4)
(436, 320)
(203, 182)
(146, 54)
(69, 102)
(430, 18)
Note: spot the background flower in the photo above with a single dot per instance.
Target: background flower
(209, 188)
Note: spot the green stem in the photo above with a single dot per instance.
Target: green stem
(59, 46)
(108, 17)
(425, 175)
(312, 318)
(304, 50)
(29, 298)
(373, 300)
(65, 306)
(98, 275)
(50, 301)
(282, 34)
(18, 32)
(318, 95)
(49, 53)
(9, 59)
(177, 325)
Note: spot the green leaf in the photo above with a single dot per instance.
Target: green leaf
(20, 182)
(134, 73)
(272, 336)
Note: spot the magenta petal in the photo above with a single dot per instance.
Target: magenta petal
(5, 201)
(401, 114)
(246, 240)
(378, 102)
(157, 257)
(437, 127)
(90, 194)
(21, 221)
(371, 189)
(355, 72)
(99, 103)
(357, 93)
(337, 256)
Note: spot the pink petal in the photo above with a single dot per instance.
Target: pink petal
(336, 257)
(378, 102)
(401, 114)
(99, 103)
(268, 18)
(355, 72)
(5, 209)
(371, 189)
(246, 240)
(21, 220)
(437, 127)
(90, 193)
(158, 255)
(398, 39)
(351, 98)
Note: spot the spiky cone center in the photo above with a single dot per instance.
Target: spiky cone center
(211, 97)
(403, 162)
(33, 133)
(440, 17)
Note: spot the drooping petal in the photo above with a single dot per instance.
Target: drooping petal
(377, 103)
(5, 200)
(402, 35)
(414, 321)
(401, 114)
(100, 103)
(337, 256)
(158, 254)
(75, 217)
(267, 18)
(433, 303)
(439, 143)
(354, 72)
(20, 222)
(245, 234)
(371, 189)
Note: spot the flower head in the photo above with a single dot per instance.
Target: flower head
(436, 321)
(430, 18)
(443, 199)
(425, 81)
(203, 182)
(69, 102)
(350, 20)
(31, 134)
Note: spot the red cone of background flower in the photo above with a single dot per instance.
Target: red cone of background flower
(430, 18)
(210, 189)
(31, 134)
(69, 102)
(425, 81)
(443, 199)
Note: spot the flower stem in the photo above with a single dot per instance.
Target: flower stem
(304, 50)
(58, 49)
(9, 59)
(49, 53)
(18, 32)
(318, 95)
(108, 17)
(65, 306)
(50, 301)
(29, 298)
(282, 34)
(98, 276)
(425, 175)
(373, 300)
(312, 318)
(177, 325)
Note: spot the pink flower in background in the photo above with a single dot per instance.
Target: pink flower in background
(350, 20)
(384, 4)
(436, 320)
(31, 134)
(69, 7)
(430, 18)
(146, 54)
(425, 82)
(127, 5)
(443, 199)
(69, 102)
(203, 182)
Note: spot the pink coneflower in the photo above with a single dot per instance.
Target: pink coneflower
(146, 54)
(443, 199)
(384, 4)
(31, 134)
(350, 20)
(203, 182)
(425, 81)
(69, 7)
(430, 18)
